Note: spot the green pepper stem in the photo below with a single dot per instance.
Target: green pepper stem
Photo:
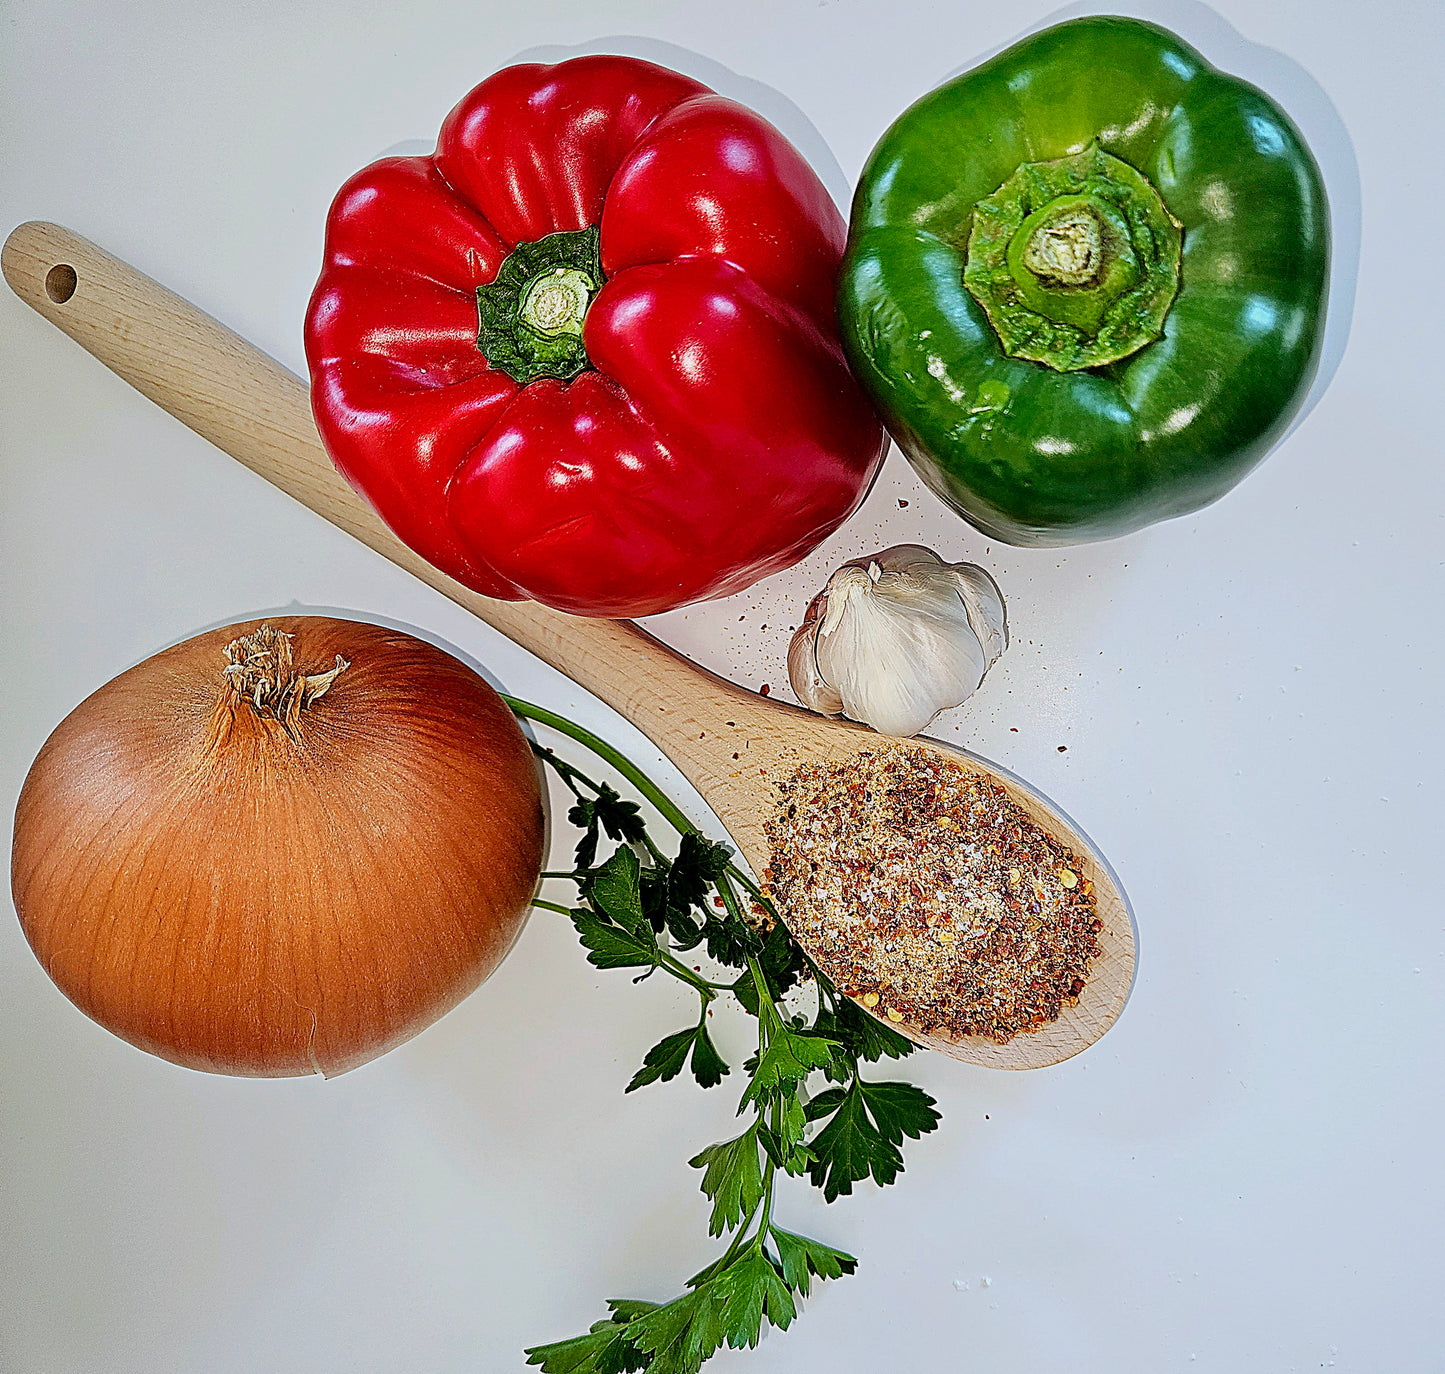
(1067, 249)
(1075, 261)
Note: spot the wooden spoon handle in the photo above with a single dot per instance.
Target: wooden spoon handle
(260, 413)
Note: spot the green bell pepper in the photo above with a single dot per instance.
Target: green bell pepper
(1085, 282)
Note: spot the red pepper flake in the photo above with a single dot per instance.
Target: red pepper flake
(902, 872)
(764, 690)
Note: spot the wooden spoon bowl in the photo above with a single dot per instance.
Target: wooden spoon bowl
(773, 739)
(731, 744)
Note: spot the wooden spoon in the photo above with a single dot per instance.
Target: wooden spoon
(732, 745)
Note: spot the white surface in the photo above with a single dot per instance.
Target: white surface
(1243, 1176)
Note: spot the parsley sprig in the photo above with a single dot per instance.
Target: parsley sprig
(640, 908)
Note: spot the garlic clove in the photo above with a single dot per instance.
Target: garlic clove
(808, 684)
(984, 603)
(897, 637)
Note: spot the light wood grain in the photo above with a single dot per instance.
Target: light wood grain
(248, 405)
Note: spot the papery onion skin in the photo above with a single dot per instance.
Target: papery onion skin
(242, 899)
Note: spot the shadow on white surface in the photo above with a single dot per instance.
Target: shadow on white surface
(769, 102)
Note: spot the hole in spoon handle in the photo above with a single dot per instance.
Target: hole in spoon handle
(60, 282)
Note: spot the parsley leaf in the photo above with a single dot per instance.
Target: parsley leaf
(788, 1059)
(621, 820)
(680, 1334)
(785, 1146)
(609, 946)
(664, 1061)
(783, 963)
(727, 1304)
(849, 1148)
(625, 1309)
(606, 811)
(748, 1289)
(615, 890)
(782, 959)
(732, 1178)
(605, 1349)
(653, 890)
(686, 932)
(584, 815)
(708, 1066)
(899, 1109)
(673, 890)
(576, 1356)
(825, 1103)
(861, 1036)
(801, 1258)
(867, 1125)
(730, 939)
(699, 864)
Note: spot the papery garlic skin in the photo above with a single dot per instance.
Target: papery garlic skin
(807, 681)
(895, 638)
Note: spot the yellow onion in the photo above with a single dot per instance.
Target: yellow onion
(279, 848)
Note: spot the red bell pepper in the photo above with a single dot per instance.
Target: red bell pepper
(586, 352)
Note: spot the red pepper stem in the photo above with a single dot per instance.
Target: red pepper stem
(530, 315)
(556, 302)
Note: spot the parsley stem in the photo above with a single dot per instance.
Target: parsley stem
(668, 962)
(678, 969)
(552, 906)
(730, 899)
(608, 754)
(564, 770)
(742, 1235)
(770, 1177)
(629, 770)
(753, 889)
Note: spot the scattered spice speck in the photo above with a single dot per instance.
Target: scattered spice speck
(922, 888)
(764, 690)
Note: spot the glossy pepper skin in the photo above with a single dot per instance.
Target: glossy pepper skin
(714, 433)
(1034, 455)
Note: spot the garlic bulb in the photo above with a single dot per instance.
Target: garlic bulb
(895, 638)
